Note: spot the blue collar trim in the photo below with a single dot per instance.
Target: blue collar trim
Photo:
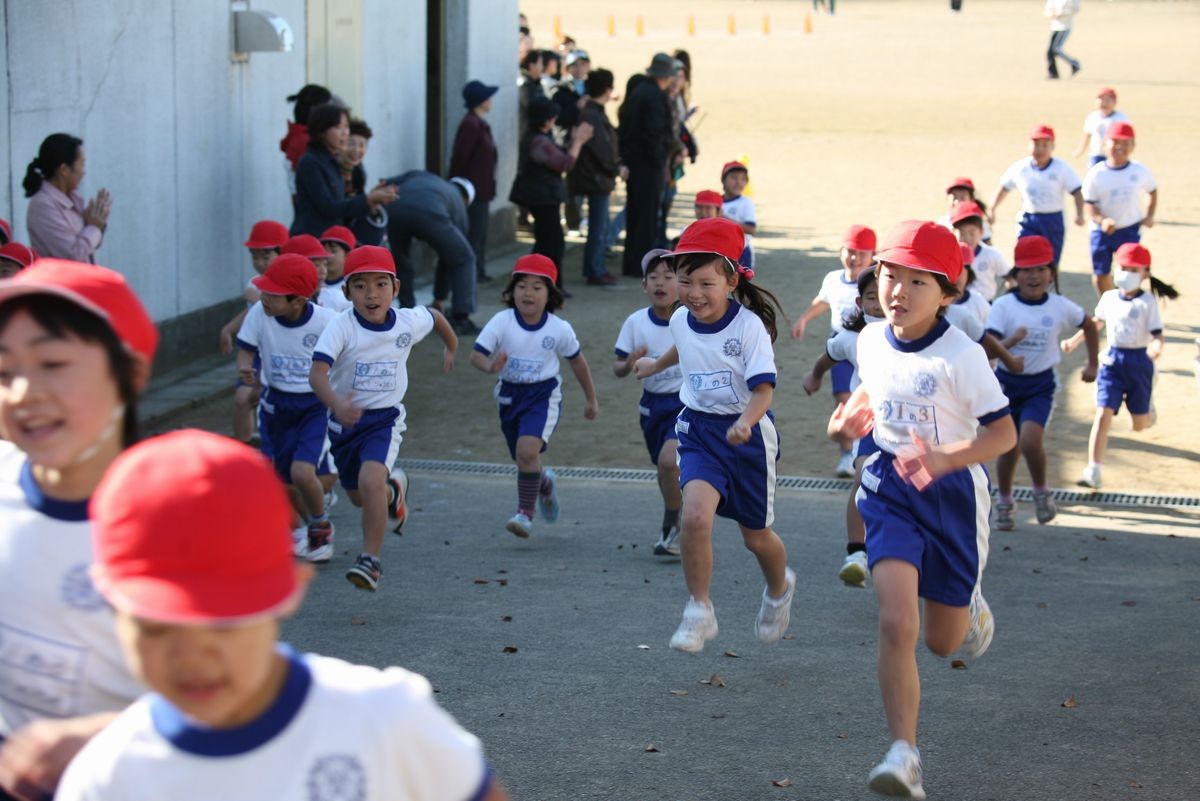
(1017, 294)
(1132, 297)
(1033, 162)
(719, 325)
(370, 326)
(842, 276)
(334, 281)
(191, 737)
(978, 248)
(39, 501)
(915, 345)
(654, 318)
(1123, 166)
(966, 294)
(304, 317)
(536, 326)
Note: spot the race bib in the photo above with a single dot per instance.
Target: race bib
(375, 376)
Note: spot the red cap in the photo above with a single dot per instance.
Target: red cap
(859, 237)
(962, 181)
(5, 230)
(340, 234)
(968, 253)
(707, 197)
(965, 211)
(730, 166)
(1133, 254)
(713, 235)
(1107, 90)
(100, 290)
(267, 234)
(21, 254)
(1119, 130)
(925, 246)
(289, 274)
(370, 259)
(152, 532)
(536, 264)
(305, 245)
(1041, 132)
(1033, 251)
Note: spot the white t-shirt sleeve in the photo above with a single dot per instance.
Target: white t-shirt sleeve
(251, 331)
(489, 338)
(1089, 182)
(758, 354)
(1147, 179)
(1073, 313)
(1009, 179)
(977, 385)
(998, 319)
(1155, 322)
(1070, 178)
(332, 341)
(625, 344)
(825, 294)
(567, 343)
(839, 346)
(419, 320)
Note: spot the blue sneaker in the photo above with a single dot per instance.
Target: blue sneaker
(548, 500)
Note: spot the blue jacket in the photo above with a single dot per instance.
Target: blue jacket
(321, 194)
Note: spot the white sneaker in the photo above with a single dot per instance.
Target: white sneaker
(982, 628)
(1044, 507)
(1090, 477)
(300, 541)
(845, 465)
(775, 613)
(899, 774)
(520, 524)
(699, 625)
(1005, 520)
(331, 500)
(669, 544)
(854, 572)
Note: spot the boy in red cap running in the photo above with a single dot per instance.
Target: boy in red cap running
(1097, 122)
(708, 204)
(1112, 192)
(233, 710)
(338, 241)
(738, 207)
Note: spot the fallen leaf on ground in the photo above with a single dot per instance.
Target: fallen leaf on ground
(1008, 547)
(501, 571)
(643, 647)
(845, 735)
(1070, 703)
(506, 619)
(789, 636)
(509, 649)
(1128, 603)
(651, 749)
(482, 581)
(679, 692)
(731, 655)
(1042, 605)
(619, 547)
(358, 621)
(958, 664)
(719, 716)
(1083, 559)
(1036, 570)
(1134, 785)
(502, 582)
(1101, 537)
(714, 680)
(782, 782)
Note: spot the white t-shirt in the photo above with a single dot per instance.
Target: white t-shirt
(644, 329)
(332, 297)
(532, 350)
(59, 656)
(285, 348)
(841, 295)
(1129, 322)
(975, 303)
(370, 361)
(1061, 13)
(741, 210)
(250, 287)
(939, 386)
(1044, 322)
(338, 731)
(990, 268)
(961, 318)
(1095, 124)
(843, 347)
(722, 362)
(1041, 188)
(1115, 191)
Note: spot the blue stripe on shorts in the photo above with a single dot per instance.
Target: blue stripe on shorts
(528, 410)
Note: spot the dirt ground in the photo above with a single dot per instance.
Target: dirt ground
(863, 121)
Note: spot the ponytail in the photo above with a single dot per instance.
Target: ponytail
(764, 305)
(56, 150)
(857, 321)
(1162, 289)
(33, 178)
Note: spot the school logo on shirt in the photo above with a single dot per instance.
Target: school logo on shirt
(1135, 313)
(732, 347)
(339, 777)
(310, 340)
(77, 590)
(404, 340)
(924, 385)
(547, 343)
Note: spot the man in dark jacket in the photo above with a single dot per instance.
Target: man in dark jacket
(646, 137)
(595, 175)
(474, 158)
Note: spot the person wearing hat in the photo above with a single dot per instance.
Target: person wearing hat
(1062, 16)
(15, 257)
(474, 158)
(1112, 196)
(5, 231)
(539, 185)
(646, 137)
(1042, 181)
(968, 220)
(595, 175)
(570, 94)
(707, 204)
(232, 709)
(338, 241)
(1097, 122)
(937, 413)
(960, 190)
(76, 349)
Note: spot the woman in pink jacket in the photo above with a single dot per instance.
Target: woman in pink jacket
(61, 225)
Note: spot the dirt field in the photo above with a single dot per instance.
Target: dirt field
(863, 121)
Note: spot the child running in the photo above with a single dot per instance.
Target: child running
(15, 257)
(962, 190)
(1040, 316)
(338, 241)
(1135, 341)
(973, 302)
(735, 177)
(968, 219)
(728, 444)
(360, 373)
(839, 296)
(708, 204)
(522, 344)
(232, 709)
(925, 390)
(1112, 200)
(646, 332)
(1097, 122)
(76, 347)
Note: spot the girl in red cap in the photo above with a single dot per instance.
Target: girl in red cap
(1039, 316)
(75, 351)
(728, 444)
(522, 345)
(926, 389)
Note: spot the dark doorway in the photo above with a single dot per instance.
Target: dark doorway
(435, 78)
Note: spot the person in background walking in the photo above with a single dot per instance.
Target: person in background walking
(474, 158)
(595, 175)
(61, 225)
(645, 138)
(1062, 15)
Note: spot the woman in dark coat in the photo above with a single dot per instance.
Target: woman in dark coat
(474, 158)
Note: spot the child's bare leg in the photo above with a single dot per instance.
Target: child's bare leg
(1031, 443)
(845, 443)
(899, 627)
(304, 479)
(700, 501)
(1141, 421)
(245, 399)
(856, 531)
(1098, 439)
(529, 454)
(668, 477)
(945, 627)
(1006, 471)
(771, 554)
(327, 481)
(1102, 283)
(372, 487)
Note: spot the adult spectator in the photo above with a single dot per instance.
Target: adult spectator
(61, 225)
(551, 71)
(529, 86)
(474, 158)
(539, 183)
(367, 230)
(646, 138)
(321, 199)
(570, 95)
(295, 142)
(595, 173)
(524, 37)
(434, 210)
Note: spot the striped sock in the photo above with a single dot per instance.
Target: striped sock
(527, 492)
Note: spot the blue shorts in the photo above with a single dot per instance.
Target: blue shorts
(529, 410)
(1105, 245)
(658, 412)
(743, 474)
(1030, 397)
(840, 375)
(1126, 374)
(865, 446)
(376, 437)
(292, 428)
(1048, 224)
(942, 531)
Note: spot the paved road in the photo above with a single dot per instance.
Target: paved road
(1085, 609)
